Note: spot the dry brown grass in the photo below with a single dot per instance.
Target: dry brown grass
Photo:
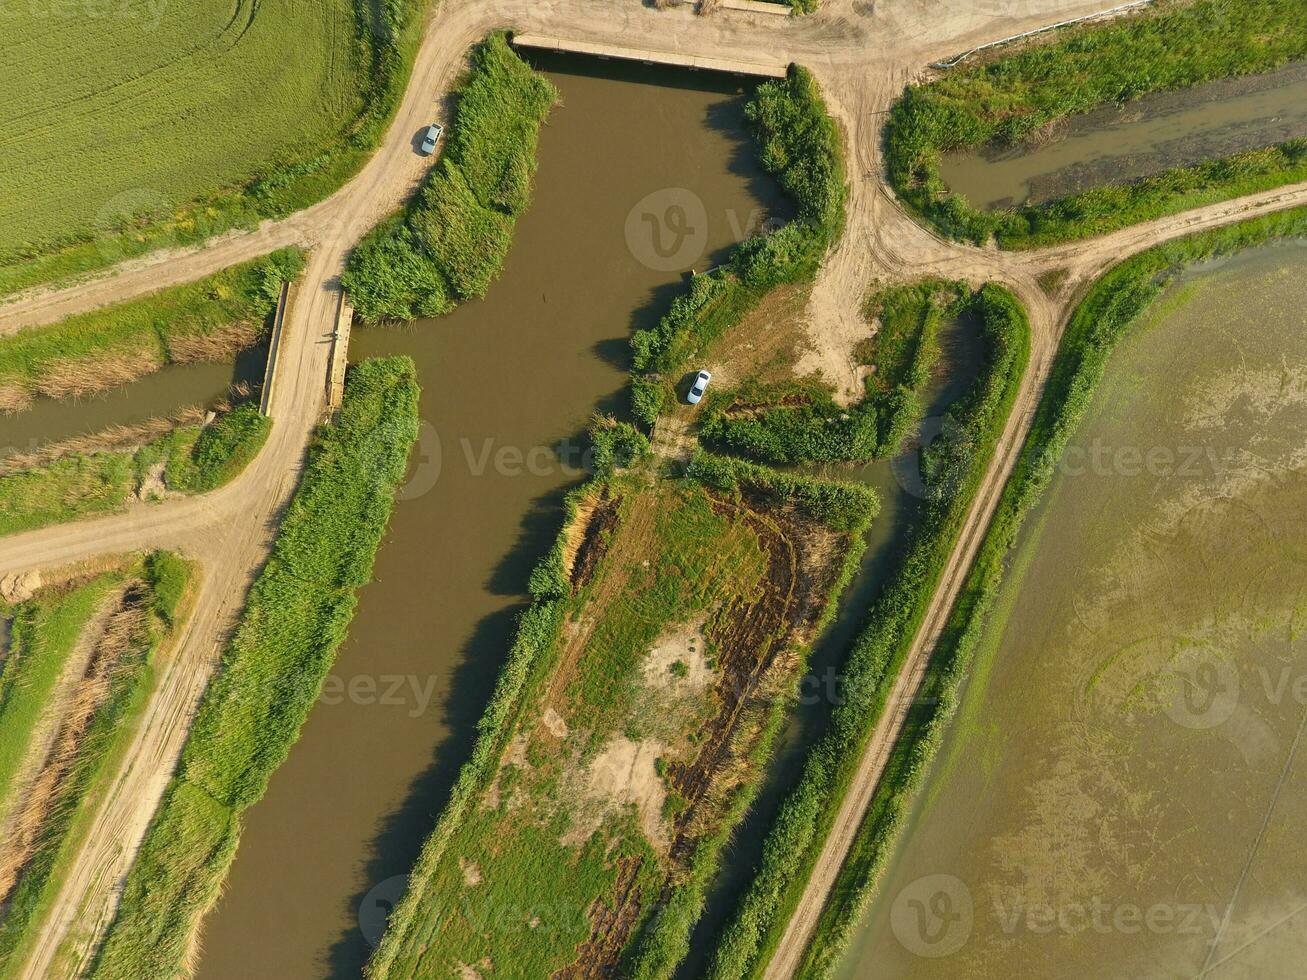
(79, 376)
(14, 398)
(121, 632)
(216, 345)
(119, 438)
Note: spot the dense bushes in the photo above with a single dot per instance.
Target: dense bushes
(451, 241)
(800, 147)
(294, 620)
(796, 837)
(220, 451)
(1014, 97)
(799, 421)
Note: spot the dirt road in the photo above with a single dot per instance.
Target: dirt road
(862, 54)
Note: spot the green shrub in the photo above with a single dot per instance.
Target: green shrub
(451, 241)
(1008, 99)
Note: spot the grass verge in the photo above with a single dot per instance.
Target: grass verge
(1014, 98)
(450, 242)
(295, 618)
(188, 459)
(93, 735)
(953, 467)
(209, 319)
(1112, 306)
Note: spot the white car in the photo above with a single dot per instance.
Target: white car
(699, 387)
(431, 139)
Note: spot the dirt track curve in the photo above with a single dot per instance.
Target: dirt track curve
(862, 53)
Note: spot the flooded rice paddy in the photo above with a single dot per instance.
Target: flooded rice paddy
(643, 174)
(1115, 144)
(1122, 791)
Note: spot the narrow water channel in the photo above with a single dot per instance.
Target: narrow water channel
(1114, 145)
(1121, 791)
(508, 386)
(156, 395)
(898, 483)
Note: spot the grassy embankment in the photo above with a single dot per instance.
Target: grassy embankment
(1016, 98)
(800, 147)
(90, 725)
(621, 746)
(130, 145)
(187, 458)
(952, 467)
(796, 420)
(295, 619)
(1115, 303)
(211, 319)
(448, 245)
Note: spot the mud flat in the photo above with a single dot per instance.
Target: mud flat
(1115, 794)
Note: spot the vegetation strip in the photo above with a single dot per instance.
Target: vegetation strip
(952, 468)
(667, 623)
(207, 320)
(451, 241)
(798, 421)
(294, 621)
(1113, 305)
(800, 147)
(95, 723)
(1019, 97)
(156, 183)
(186, 458)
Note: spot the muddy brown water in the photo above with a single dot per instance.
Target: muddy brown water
(1122, 790)
(156, 395)
(898, 484)
(1115, 145)
(506, 382)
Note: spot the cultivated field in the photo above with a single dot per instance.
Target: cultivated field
(119, 110)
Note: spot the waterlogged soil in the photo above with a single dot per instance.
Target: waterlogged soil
(1122, 790)
(899, 485)
(156, 395)
(1118, 144)
(508, 386)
